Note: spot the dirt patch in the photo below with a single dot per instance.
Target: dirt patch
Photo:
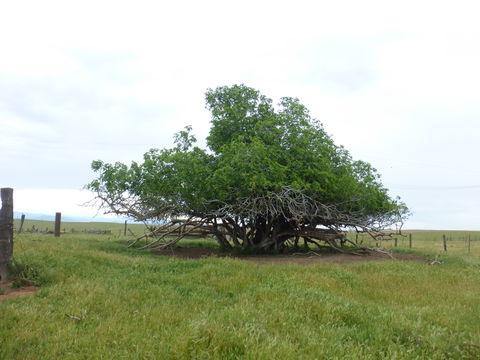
(7, 292)
(294, 258)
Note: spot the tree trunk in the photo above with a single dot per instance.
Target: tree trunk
(6, 232)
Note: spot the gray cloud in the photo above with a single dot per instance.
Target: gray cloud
(56, 125)
(396, 86)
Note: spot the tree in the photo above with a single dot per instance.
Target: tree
(269, 178)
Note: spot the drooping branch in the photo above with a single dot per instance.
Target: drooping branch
(266, 222)
(297, 207)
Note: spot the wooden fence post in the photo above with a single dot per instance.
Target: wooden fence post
(410, 240)
(6, 231)
(444, 243)
(58, 222)
(125, 229)
(22, 220)
(395, 241)
(468, 242)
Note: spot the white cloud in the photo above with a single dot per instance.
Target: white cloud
(69, 202)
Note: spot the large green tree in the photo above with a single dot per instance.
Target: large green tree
(270, 177)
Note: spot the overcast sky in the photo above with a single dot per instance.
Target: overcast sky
(396, 82)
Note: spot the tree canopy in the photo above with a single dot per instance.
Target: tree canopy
(270, 176)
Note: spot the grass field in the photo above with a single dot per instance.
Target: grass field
(115, 228)
(430, 241)
(136, 305)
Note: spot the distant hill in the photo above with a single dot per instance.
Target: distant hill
(45, 217)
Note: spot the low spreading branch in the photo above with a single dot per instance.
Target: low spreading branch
(266, 222)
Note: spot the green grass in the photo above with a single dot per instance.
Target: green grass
(115, 228)
(135, 305)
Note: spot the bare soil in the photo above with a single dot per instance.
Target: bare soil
(303, 258)
(7, 292)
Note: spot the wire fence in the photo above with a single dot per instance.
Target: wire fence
(459, 242)
(450, 242)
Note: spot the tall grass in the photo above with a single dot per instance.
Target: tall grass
(135, 305)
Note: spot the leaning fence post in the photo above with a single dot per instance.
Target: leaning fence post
(6, 231)
(22, 220)
(58, 221)
(444, 243)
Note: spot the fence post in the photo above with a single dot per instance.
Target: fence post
(410, 240)
(125, 229)
(58, 221)
(468, 242)
(395, 241)
(6, 231)
(444, 243)
(22, 220)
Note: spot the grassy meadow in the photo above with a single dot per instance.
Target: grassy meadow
(430, 242)
(136, 305)
(115, 228)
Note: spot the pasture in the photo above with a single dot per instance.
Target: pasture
(98, 299)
